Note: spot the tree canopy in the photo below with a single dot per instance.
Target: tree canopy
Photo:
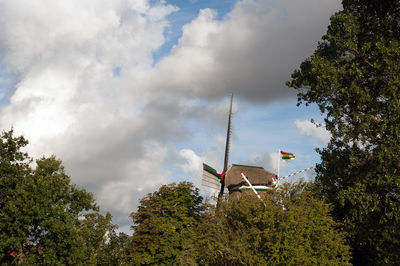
(44, 219)
(354, 78)
(292, 228)
(162, 222)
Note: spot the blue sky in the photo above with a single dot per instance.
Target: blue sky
(6, 83)
(188, 10)
(132, 95)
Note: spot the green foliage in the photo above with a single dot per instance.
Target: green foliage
(354, 78)
(41, 214)
(40, 221)
(115, 252)
(14, 165)
(103, 245)
(293, 228)
(161, 224)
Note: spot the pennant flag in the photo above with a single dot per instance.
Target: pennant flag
(287, 155)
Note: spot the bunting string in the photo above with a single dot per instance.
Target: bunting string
(311, 167)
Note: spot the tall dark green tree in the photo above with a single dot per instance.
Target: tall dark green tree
(354, 78)
(162, 222)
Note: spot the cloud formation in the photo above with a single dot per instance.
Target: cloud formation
(309, 129)
(68, 102)
(88, 91)
(252, 52)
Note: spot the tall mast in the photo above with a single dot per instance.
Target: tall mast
(227, 146)
(228, 137)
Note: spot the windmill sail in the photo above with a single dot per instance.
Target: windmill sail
(210, 177)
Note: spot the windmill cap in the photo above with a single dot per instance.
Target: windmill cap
(256, 175)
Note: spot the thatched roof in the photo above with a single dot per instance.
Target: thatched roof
(256, 175)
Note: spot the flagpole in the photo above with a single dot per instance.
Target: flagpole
(279, 162)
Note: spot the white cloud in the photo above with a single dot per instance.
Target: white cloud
(114, 133)
(140, 175)
(269, 161)
(193, 165)
(67, 101)
(309, 129)
(252, 52)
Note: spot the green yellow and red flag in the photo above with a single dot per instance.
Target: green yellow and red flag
(287, 155)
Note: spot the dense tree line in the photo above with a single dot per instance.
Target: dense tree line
(46, 220)
(173, 226)
(293, 227)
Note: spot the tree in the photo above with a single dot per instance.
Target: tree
(292, 228)
(103, 245)
(115, 251)
(40, 221)
(162, 222)
(44, 219)
(14, 165)
(354, 78)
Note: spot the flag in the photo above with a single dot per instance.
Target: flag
(287, 155)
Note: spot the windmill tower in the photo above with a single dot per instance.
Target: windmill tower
(230, 177)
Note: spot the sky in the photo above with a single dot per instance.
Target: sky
(134, 94)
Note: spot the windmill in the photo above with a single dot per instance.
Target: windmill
(211, 178)
(231, 177)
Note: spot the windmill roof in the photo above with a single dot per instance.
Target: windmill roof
(256, 175)
(250, 166)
